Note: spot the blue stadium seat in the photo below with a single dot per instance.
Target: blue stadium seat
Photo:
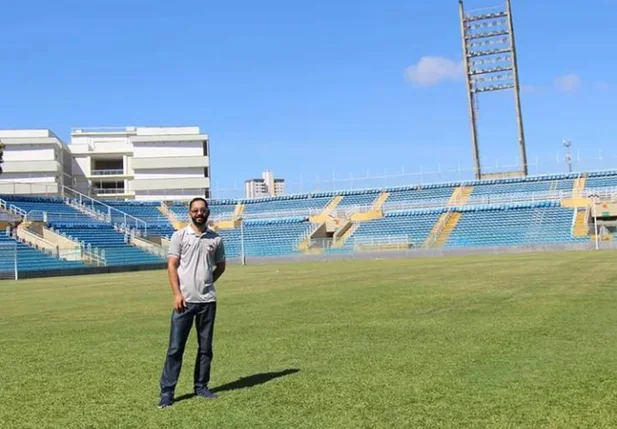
(514, 225)
(267, 237)
(28, 258)
(57, 210)
(105, 237)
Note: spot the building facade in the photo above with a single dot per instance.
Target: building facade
(36, 161)
(140, 163)
(266, 186)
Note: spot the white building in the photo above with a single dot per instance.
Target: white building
(267, 186)
(35, 162)
(141, 163)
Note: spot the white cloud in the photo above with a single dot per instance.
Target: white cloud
(569, 83)
(431, 71)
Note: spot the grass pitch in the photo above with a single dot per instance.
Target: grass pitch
(476, 342)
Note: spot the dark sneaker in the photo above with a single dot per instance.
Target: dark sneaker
(166, 401)
(205, 393)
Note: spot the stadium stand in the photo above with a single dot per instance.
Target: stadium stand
(55, 209)
(267, 237)
(115, 245)
(513, 225)
(28, 258)
(396, 227)
(548, 209)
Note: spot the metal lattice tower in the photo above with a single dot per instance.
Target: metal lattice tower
(489, 54)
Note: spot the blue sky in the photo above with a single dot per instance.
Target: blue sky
(310, 89)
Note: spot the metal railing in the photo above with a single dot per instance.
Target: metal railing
(90, 253)
(378, 240)
(85, 130)
(109, 191)
(88, 202)
(108, 172)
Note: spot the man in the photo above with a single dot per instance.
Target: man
(193, 253)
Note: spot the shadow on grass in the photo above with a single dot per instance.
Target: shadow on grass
(244, 382)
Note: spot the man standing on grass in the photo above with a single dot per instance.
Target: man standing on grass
(193, 253)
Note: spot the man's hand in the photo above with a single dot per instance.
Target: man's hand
(179, 304)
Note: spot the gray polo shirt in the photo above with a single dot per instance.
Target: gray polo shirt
(198, 254)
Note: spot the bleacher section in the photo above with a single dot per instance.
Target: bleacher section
(28, 258)
(218, 209)
(291, 205)
(57, 210)
(101, 236)
(148, 211)
(514, 225)
(509, 186)
(601, 182)
(549, 209)
(437, 193)
(397, 227)
(266, 237)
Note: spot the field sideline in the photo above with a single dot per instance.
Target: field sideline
(512, 341)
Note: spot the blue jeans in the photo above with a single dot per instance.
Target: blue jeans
(203, 314)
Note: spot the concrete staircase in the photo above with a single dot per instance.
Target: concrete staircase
(344, 233)
(232, 223)
(326, 213)
(375, 212)
(578, 194)
(442, 229)
(460, 195)
(164, 209)
(581, 227)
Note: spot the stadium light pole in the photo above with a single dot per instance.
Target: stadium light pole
(490, 62)
(595, 220)
(568, 145)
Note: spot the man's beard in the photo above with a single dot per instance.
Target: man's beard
(200, 220)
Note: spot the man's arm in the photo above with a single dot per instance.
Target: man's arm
(173, 263)
(219, 270)
(219, 260)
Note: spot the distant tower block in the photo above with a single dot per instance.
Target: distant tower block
(489, 54)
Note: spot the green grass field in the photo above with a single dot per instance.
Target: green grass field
(523, 341)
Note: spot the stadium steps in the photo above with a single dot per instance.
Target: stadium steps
(326, 213)
(380, 201)
(460, 195)
(63, 243)
(232, 223)
(366, 216)
(239, 211)
(40, 238)
(149, 246)
(305, 243)
(344, 233)
(581, 227)
(578, 188)
(601, 237)
(164, 209)
(442, 229)
(6, 215)
(93, 214)
(578, 198)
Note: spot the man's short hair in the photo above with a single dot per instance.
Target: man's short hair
(197, 199)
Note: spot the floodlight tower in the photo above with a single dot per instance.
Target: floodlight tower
(568, 145)
(489, 55)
